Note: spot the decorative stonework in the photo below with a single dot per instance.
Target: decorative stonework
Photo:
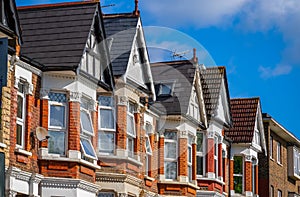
(118, 178)
(29, 67)
(122, 100)
(44, 94)
(248, 158)
(210, 134)
(75, 97)
(183, 134)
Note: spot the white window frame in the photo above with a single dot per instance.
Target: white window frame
(272, 191)
(240, 175)
(279, 156)
(296, 157)
(108, 131)
(86, 135)
(202, 154)
(171, 160)
(279, 193)
(271, 147)
(131, 135)
(62, 129)
(21, 121)
(216, 160)
(190, 158)
(148, 153)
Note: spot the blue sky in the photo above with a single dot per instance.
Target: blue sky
(257, 40)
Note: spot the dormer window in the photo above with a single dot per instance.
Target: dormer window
(165, 89)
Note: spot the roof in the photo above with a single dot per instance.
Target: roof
(122, 28)
(244, 111)
(182, 73)
(211, 81)
(55, 35)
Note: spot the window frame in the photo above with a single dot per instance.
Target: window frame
(190, 157)
(168, 159)
(106, 131)
(216, 155)
(240, 174)
(62, 129)
(21, 121)
(201, 154)
(272, 191)
(279, 193)
(148, 153)
(271, 147)
(279, 153)
(130, 136)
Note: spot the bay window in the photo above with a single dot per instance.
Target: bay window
(200, 154)
(170, 149)
(57, 123)
(21, 108)
(107, 126)
(238, 174)
(131, 134)
(87, 130)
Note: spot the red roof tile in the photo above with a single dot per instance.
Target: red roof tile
(244, 116)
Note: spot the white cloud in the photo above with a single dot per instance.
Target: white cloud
(269, 72)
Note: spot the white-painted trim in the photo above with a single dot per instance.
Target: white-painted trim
(23, 152)
(2, 145)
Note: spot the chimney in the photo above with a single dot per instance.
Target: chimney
(136, 11)
(195, 58)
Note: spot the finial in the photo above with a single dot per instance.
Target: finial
(195, 59)
(136, 8)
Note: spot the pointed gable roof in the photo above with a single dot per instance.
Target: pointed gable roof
(121, 28)
(181, 74)
(55, 35)
(211, 81)
(244, 115)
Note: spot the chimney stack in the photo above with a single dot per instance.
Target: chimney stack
(136, 8)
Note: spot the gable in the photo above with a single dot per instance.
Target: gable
(193, 109)
(222, 110)
(258, 135)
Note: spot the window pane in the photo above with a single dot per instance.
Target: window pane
(56, 142)
(148, 146)
(190, 154)
(87, 147)
(190, 173)
(199, 142)
(170, 150)
(107, 119)
(106, 142)
(58, 97)
(148, 128)
(165, 89)
(97, 67)
(200, 165)
(171, 170)
(105, 101)
(105, 194)
(20, 107)
(171, 135)
(131, 108)
(130, 146)
(57, 116)
(130, 125)
(238, 165)
(19, 134)
(238, 184)
(86, 122)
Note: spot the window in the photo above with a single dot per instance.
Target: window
(272, 191)
(216, 156)
(279, 152)
(148, 149)
(279, 193)
(57, 123)
(87, 130)
(165, 89)
(21, 108)
(170, 149)
(200, 154)
(131, 135)
(271, 147)
(190, 158)
(253, 175)
(106, 194)
(238, 174)
(106, 133)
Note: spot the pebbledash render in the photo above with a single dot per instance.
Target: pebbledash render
(118, 125)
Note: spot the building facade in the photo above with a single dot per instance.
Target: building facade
(279, 168)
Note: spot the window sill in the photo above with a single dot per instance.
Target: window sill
(272, 159)
(109, 157)
(3, 145)
(146, 177)
(23, 152)
(175, 182)
(280, 164)
(211, 179)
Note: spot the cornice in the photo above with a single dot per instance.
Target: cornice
(29, 67)
(118, 178)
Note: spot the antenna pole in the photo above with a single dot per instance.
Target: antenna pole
(195, 59)
(136, 8)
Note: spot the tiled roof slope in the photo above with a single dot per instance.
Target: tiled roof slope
(122, 28)
(182, 72)
(55, 35)
(211, 81)
(244, 112)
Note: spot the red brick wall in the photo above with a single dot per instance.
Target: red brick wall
(161, 153)
(231, 168)
(248, 176)
(182, 157)
(121, 126)
(210, 155)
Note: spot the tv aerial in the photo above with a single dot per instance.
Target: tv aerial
(180, 55)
